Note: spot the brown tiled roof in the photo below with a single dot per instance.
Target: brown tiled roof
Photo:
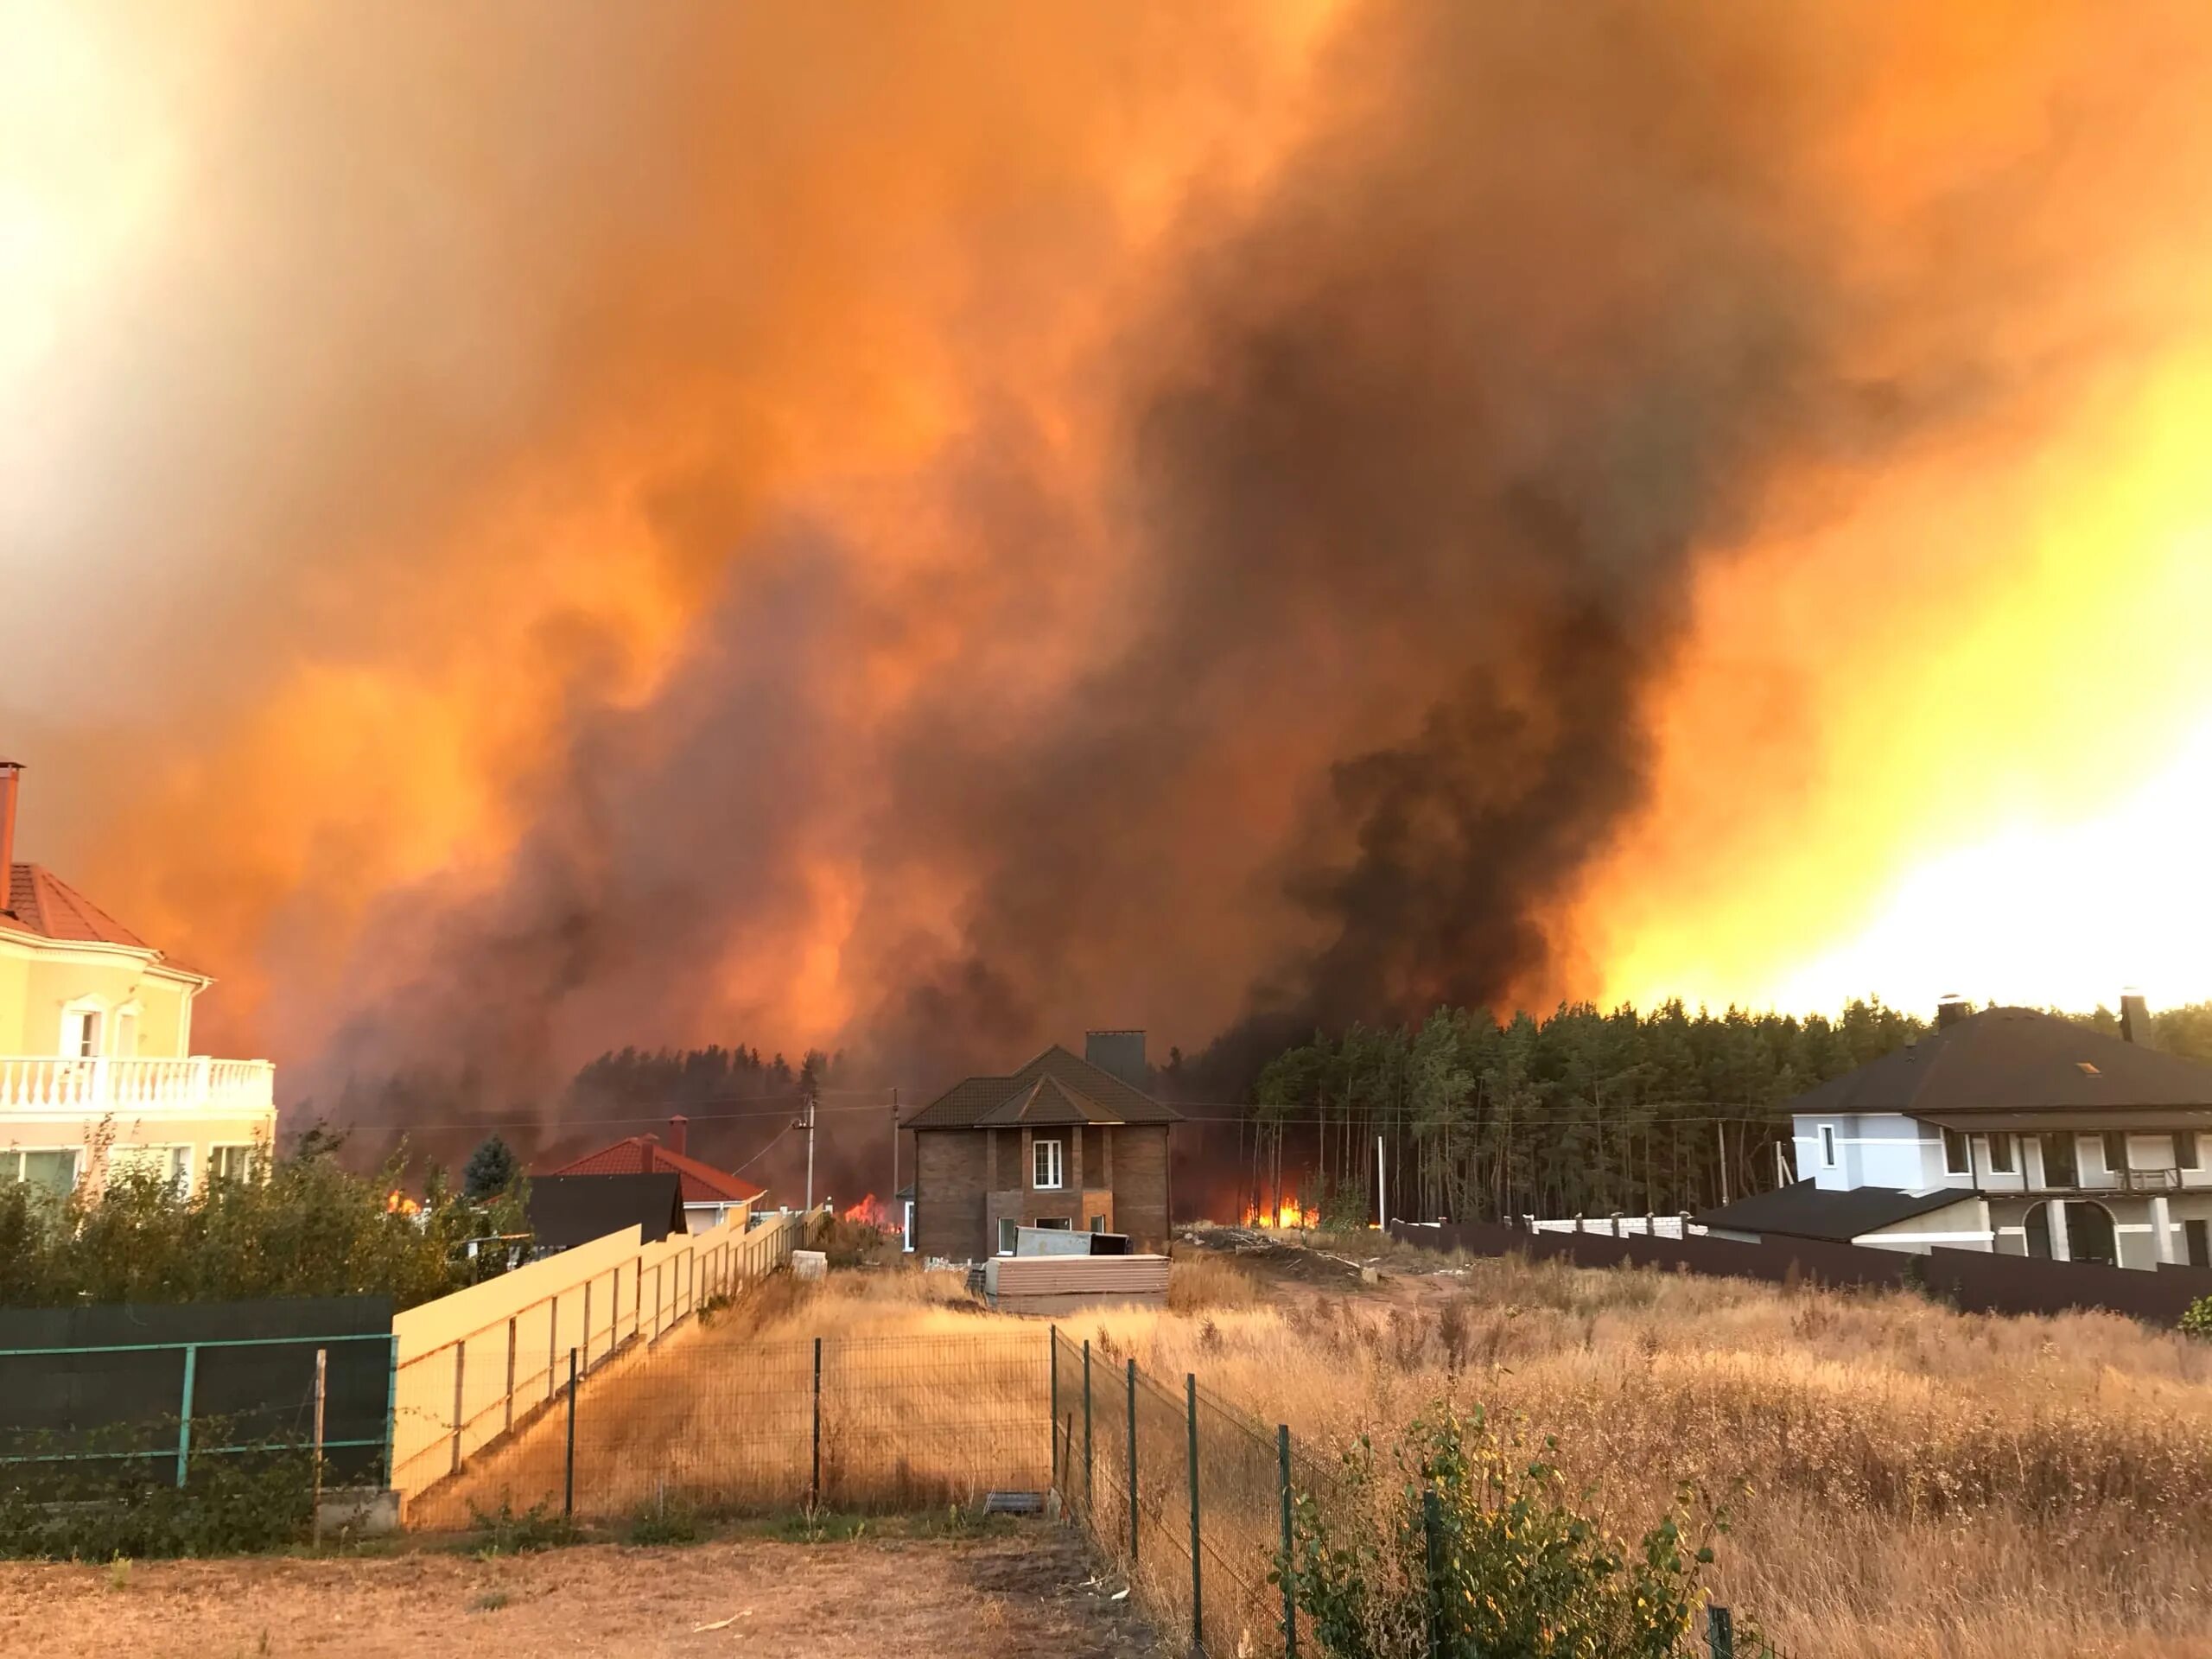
(2013, 1060)
(1082, 1091)
(40, 902)
(642, 1155)
(1047, 1101)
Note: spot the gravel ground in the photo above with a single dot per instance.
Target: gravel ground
(1028, 1593)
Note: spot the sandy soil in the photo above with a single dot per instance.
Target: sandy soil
(1019, 1594)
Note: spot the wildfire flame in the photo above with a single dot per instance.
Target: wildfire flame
(873, 1212)
(396, 1203)
(1286, 1213)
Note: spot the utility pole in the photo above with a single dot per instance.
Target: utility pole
(1382, 1204)
(807, 1123)
(894, 1148)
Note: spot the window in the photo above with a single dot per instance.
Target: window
(2197, 1236)
(2000, 1153)
(172, 1164)
(2059, 1168)
(1828, 1146)
(2185, 1149)
(235, 1163)
(55, 1170)
(81, 1033)
(1954, 1154)
(2115, 1152)
(126, 1033)
(1098, 1224)
(1056, 1223)
(1046, 1173)
(1007, 1234)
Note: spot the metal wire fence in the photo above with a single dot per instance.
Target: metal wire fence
(724, 1425)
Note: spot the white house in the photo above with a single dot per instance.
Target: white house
(2009, 1130)
(96, 1043)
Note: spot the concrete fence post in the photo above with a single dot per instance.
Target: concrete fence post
(460, 1369)
(508, 1426)
(184, 1411)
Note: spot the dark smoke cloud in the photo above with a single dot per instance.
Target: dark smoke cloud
(1270, 633)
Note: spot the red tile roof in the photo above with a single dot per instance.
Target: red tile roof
(643, 1154)
(40, 902)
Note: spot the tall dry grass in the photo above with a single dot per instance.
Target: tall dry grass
(1903, 1480)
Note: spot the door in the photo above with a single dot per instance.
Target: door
(2059, 1168)
(1008, 1236)
(2039, 1231)
(2089, 1234)
(2198, 1236)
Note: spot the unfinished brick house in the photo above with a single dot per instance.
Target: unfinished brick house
(1066, 1141)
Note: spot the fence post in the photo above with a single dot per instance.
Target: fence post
(508, 1426)
(460, 1366)
(552, 1346)
(1086, 1429)
(391, 1417)
(321, 1392)
(1289, 1595)
(568, 1479)
(184, 1410)
(1432, 1529)
(1720, 1633)
(1133, 1462)
(1198, 1600)
(815, 1487)
(1054, 1341)
(618, 1272)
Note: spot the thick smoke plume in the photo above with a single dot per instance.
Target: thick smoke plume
(808, 525)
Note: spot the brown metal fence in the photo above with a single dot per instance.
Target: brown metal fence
(1975, 1281)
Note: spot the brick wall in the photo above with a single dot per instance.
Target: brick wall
(1139, 1162)
(949, 1189)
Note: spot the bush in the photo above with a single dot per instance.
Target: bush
(2196, 1321)
(1471, 1549)
(114, 1493)
(309, 1228)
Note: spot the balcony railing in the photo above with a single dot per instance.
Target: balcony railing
(42, 1082)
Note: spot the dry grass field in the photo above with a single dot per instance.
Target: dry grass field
(1902, 1478)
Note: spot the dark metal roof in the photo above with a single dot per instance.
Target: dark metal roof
(1804, 1211)
(566, 1210)
(2013, 1060)
(2134, 1120)
(1082, 1093)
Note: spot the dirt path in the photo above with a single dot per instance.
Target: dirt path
(1027, 1593)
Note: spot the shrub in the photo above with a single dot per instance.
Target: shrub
(309, 1228)
(1471, 1548)
(2196, 1321)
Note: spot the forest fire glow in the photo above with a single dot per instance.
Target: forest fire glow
(1318, 524)
(1288, 1213)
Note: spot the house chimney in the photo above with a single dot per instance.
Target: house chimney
(1952, 1009)
(1119, 1053)
(11, 774)
(677, 1126)
(2135, 1019)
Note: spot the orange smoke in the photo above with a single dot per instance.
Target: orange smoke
(552, 532)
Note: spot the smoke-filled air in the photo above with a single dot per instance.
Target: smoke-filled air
(530, 528)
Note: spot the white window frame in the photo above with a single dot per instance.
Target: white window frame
(179, 1159)
(1965, 1167)
(2002, 1158)
(11, 1162)
(92, 1011)
(1039, 1150)
(256, 1166)
(1826, 1135)
(1009, 1235)
(1098, 1224)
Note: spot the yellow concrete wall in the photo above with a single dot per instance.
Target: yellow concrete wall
(37, 982)
(452, 1396)
(14, 971)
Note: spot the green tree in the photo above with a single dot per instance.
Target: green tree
(491, 1168)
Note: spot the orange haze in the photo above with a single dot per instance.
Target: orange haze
(542, 526)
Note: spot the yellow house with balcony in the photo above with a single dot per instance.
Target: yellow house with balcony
(96, 1043)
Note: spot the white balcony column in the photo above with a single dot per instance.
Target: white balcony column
(202, 1068)
(2162, 1227)
(2062, 1248)
(103, 1082)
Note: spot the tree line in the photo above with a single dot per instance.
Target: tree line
(1581, 1112)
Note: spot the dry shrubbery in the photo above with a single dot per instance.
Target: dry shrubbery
(1904, 1478)
(1197, 1281)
